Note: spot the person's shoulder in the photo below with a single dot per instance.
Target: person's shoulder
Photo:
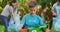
(26, 15)
(7, 5)
(55, 4)
(38, 16)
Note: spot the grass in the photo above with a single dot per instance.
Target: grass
(9, 30)
(2, 29)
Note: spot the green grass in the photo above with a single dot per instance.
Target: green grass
(2, 29)
(52, 29)
(9, 30)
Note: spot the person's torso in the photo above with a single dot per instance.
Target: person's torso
(6, 10)
(31, 20)
(57, 9)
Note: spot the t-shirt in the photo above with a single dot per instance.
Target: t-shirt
(7, 10)
(30, 20)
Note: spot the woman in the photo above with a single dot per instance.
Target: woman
(8, 10)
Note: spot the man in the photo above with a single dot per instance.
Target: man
(55, 13)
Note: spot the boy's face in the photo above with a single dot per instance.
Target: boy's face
(32, 10)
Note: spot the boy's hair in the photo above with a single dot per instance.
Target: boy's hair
(32, 4)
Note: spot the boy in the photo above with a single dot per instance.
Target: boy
(32, 20)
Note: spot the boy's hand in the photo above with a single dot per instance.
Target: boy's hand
(20, 27)
(46, 30)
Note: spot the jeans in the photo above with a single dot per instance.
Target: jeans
(5, 22)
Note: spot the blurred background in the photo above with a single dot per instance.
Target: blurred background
(43, 9)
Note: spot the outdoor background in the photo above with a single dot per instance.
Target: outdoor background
(43, 9)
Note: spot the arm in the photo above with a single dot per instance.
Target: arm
(53, 11)
(22, 23)
(12, 14)
(13, 17)
(42, 25)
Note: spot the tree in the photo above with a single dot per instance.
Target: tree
(45, 5)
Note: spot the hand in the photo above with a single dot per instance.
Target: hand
(54, 14)
(46, 30)
(20, 27)
(14, 21)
